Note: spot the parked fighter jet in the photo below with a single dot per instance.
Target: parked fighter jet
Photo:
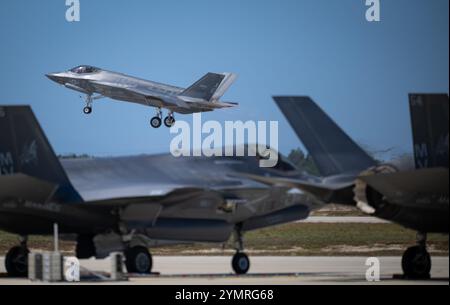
(413, 194)
(132, 203)
(202, 96)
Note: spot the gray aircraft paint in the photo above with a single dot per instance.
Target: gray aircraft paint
(165, 198)
(429, 121)
(203, 96)
(396, 191)
(333, 151)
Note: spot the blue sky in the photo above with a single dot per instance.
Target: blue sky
(359, 72)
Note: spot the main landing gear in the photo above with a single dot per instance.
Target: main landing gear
(416, 262)
(16, 261)
(240, 261)
(169, 121)
(138, 260)
(156, 121)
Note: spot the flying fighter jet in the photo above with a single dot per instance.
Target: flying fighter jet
(132, 203)
(96, 83)
(413, 192)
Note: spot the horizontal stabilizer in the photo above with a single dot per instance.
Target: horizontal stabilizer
(215, 105)
(20, 186)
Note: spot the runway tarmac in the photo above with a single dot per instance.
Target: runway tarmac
(200, 270)
(343, 219)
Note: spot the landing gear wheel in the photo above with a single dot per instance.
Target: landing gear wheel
(416, 263)
(241, 263)
(156, 122)
(169, 121)
(87, 110)
(138, 260)
(16, 262)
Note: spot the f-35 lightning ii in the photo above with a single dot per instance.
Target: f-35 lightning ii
(202, 96)
(132, 203)
(413, 192)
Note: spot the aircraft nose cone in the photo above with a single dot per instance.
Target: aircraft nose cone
(54, 77)
(51, 77)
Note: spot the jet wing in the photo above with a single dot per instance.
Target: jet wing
(395, 186)
(143, 212)
(147, 209)
(325, 192)
(184, 105)
(137, 193)
(188, 105)
(20, 186)
(136, 92)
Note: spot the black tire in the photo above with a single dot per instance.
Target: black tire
(16, 262)
(416, 263)
(85, 247)
(87, 110)
(241, 263)
(156, 122)
(169, 121)
(138, 260)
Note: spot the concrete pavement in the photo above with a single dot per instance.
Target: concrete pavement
(216, 270)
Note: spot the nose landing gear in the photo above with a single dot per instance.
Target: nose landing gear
(88, 108)
(89, 100)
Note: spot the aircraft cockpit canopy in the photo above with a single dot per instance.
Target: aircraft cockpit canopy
(85, 70)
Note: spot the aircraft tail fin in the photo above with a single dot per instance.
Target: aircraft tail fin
(333, 151)
(24, 149)
(210, 87)
(429, 118)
